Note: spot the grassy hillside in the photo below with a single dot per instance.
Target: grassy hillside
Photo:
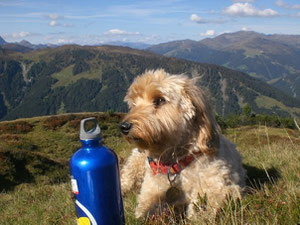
(88, 78)
(35, 187)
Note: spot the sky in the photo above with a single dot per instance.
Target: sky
(89, 22)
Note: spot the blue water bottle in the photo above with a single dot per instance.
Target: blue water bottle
(95, 180)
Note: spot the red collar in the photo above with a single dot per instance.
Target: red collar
(170, 169)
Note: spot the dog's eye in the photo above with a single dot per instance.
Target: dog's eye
(159, 101)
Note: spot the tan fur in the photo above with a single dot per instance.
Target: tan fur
(182, 125)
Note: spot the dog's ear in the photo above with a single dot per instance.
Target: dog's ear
(204, 120)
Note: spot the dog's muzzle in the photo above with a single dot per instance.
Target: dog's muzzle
(125, 127)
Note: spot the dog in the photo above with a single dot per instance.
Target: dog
(180, 154)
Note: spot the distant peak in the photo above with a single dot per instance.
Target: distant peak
(246, 31)
(24, 42)
(2, 41)
(242, 33)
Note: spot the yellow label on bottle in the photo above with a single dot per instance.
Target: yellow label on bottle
(83, 221)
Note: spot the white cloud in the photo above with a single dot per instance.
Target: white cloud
(208, 33)
(21, 34)
(112, 35)
(17, 35)
(53, 23)
(246, 29)
(120, 32)
(151, 39)
(54, 16)
(96, 39)
(247, 10)
(115, 31)
(198, 19)
(283, 4)
(54, 20)
(63, 41)
(61, 38)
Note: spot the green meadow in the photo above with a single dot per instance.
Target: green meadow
(35, 186)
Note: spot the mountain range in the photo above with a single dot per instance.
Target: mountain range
(74, 78)
(25, 46)
(272, 58)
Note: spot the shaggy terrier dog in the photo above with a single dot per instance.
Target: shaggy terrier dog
(181, 156)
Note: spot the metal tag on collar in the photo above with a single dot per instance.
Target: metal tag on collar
(173, 178)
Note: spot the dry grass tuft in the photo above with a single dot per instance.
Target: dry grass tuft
(18, 127)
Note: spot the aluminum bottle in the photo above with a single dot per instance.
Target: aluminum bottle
(95, 180)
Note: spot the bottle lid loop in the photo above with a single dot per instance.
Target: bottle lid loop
(92, 134)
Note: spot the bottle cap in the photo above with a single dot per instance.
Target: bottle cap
(93, 134)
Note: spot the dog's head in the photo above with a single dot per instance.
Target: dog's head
(167, 110)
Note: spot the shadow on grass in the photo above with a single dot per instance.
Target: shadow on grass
(19, 166)
(257, 177)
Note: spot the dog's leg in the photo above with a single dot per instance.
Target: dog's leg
(200, 207)
(207, 205)
(211, 188)
(153, 192)
(133, 171)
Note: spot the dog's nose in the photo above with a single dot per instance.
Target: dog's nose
(125, 127)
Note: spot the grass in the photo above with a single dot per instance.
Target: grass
(38, 204)
(271, 157)
(35, 187)
(252, 53)
(269, 103)
(66, 77)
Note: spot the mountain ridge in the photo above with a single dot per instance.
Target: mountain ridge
(25, 46)
(85, 78)
(272, 58)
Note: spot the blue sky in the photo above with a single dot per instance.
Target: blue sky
(154, 21)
